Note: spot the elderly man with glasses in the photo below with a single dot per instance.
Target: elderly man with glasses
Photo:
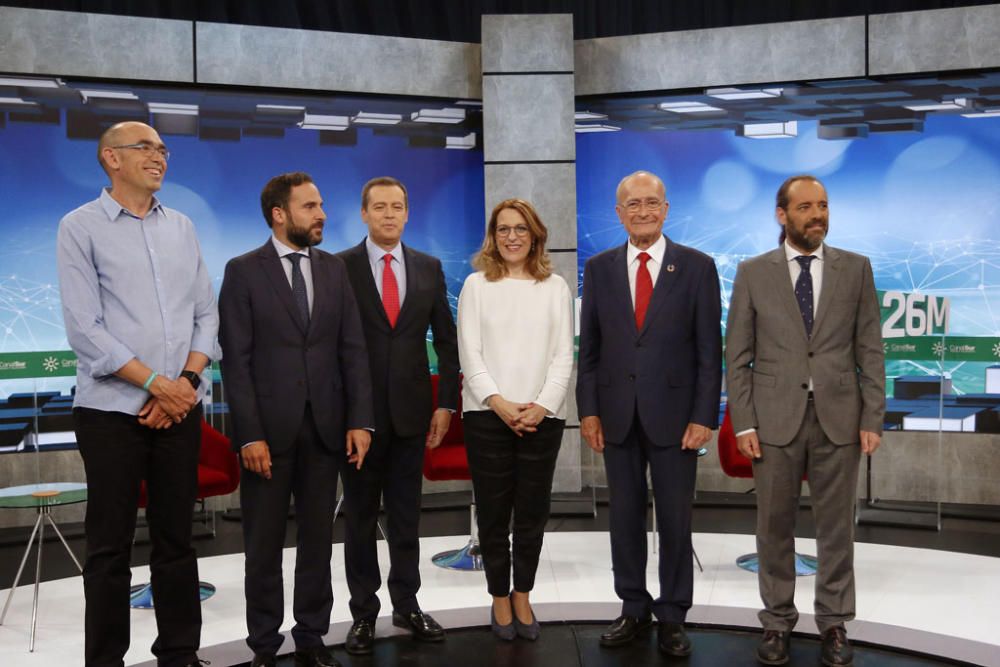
(140, 315)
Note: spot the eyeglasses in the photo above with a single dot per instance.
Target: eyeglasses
(519, 230)
(636, 205)
(148, 150)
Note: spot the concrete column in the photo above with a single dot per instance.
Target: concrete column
(529, 150)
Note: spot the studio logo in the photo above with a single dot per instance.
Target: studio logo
(50, 364)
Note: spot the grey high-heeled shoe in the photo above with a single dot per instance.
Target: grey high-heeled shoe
(529, 631)
(504, 632)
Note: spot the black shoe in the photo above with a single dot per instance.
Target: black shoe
(263, 660)
(360, 638)
(624, 629)
(423, 627)
(837, 651)
(673, 640)
(198, 663)
(773, 648)
(316, 657)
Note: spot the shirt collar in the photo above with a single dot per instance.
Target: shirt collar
(376, 253)
(283, 249)
(791, 253)
(114, 209)
(654, 251)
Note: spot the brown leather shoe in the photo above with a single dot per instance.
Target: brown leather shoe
(837, 651)
(773, 648)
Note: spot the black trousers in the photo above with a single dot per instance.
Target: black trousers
(511, 473)
(307, 471)
(118, 453)
(673, 472)
(392, 472)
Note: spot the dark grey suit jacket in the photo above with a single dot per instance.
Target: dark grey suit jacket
(769, 358)
(272, 364)
(397, 355)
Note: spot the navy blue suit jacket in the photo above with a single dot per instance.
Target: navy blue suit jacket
(272, 364)
(670, 371)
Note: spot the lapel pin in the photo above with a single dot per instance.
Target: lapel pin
(671, 268)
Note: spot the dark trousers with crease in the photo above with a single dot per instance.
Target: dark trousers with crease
(118, 453)
(511, 474)
(673, 472)
(392, 472)
(306, 471)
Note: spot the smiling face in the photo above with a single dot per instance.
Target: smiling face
(806, 219)
(300, 225)
(513, 238)
(385, 214)
(131, 169)
(642, 207)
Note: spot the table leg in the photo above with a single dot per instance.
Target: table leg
(48, 515)
(38, 577)
(17, 579)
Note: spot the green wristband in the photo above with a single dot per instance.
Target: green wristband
(149, 380)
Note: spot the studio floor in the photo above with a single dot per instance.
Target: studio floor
(917, 605)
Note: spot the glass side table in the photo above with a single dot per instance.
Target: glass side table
(42, 497)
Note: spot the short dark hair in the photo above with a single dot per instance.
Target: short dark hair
(382, 180)
(278, 191)
(781, 198)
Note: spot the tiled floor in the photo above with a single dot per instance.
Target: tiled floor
(937, 602)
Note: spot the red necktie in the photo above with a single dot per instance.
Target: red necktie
(643, 290)
(390, 292)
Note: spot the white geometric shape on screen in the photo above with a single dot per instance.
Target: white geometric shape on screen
(938, 349)
(50, 364)
(996, 350)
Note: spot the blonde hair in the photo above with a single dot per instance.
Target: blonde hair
(488, 259)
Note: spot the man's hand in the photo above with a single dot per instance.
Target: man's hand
(593, 432)
(749, 445)
(257, 458)
(440, 421)
(153, 416)
(509, 412)
(176, 397)
(358, 442)
(695, 435)
(870, 442)
(531, 417)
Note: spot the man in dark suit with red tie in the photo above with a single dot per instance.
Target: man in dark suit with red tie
(299, 395)
(650, 373)
(401, 293)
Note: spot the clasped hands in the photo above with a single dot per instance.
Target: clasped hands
(521, 418)
(170, 402)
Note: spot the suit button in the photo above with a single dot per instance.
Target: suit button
(810, 354)
(805, 386)
(631, 376)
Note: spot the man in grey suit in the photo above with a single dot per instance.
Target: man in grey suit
(806, 381)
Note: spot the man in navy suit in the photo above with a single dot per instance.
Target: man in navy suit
(650, 375)
(300, 398)
(401, 293)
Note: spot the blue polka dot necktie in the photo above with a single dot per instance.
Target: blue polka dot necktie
(804, 291)
(299, 286)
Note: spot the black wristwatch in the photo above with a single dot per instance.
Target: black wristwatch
(192, 377)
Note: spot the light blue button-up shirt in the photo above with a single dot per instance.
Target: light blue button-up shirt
(132, 288)
(375, 255)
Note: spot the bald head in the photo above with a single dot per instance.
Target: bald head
(113, 136)
(623, 185)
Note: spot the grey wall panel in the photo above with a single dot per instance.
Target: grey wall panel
(34, 41)
(312, 60)
(821, 49)
(528, 118)
(527, 43)
(551, 189)
(943, 39)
